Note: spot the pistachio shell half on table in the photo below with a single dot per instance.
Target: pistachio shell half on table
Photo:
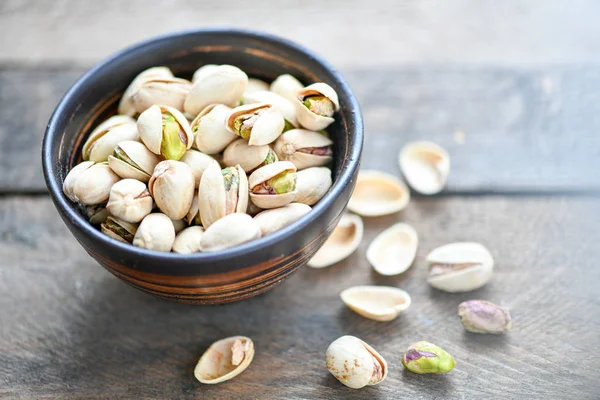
(354, 363)
(393, 251)
(285, 106)
(273, 185)
(312, 184)
(460, 267)
(344, 240)
(225, 359)
(378, 193)
(223, 84)
(156, 232)
(222, 192)
(379, 303)
(210, 130)
(188, 240)
(131, 159)
(172, 186)
(427, 358)
(260, 123)
(229, 231)
(118, 229)
(89, 183)
(480, 316)
(129, 200)
(126, 106)
(101, 143)
(425, 166)
(170, 92)
(277, 218)
(198, 162)
(248, 157)
(256, 85)
(304, 148)
(165, 131)
(202, 71)
(315, 106)
(286, 86)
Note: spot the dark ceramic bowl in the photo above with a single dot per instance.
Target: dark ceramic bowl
(206, 278)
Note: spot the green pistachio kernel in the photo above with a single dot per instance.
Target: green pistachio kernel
(174, 141)
(288, 126)
(120, 154)
(270, 158)
(112, 225)
(319, 105)
(285, 182)
(427, 358)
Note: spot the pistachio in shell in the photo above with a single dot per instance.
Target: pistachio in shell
(155, 232)
(260, 123)
(278, 218)
(101, 143)
(315, 106)
(229, 231)
(285, 106)
(312, 184)
(131, 159)
(167, 91)
(248, 157)
(198, 162)
(118, 229)
(354, 363)
(222, 192)
(210, 130)
(90, 184)
(126, 106)
(172, 186)
(129, 200)
(165, 131)
(188, 240)
(273, 185)
(304, 148)
(286, 86)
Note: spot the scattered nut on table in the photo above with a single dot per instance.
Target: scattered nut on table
(480, 316)
(354, 363)
(225, 359)
(427, 358)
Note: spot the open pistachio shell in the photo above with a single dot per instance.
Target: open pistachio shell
(188, 240)
(72, 177)
(198, 162)
(273, 220)
(170, 92)
(344, 240)
(223, 84)
(156, 232)
(378, 193)
(304, 148)
(256, 85)
(312, 184)
(225, 359)
(92, 185)
(131, 159)
(172, 186)
(379, 303)
(248, 157)
(354, 363)
(202, 71)
(264, 96)
(393, 251)
(126, 106)
(210, 130)
(222, 192)
(229, 231)
(129, 200)
(102, 130)
(286, 86)
(118, 229)
(425, 166)
(155, 129)
(98, 147)
(307, 117)
(260, 123)
(273, 185)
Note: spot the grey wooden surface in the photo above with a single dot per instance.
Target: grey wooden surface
(512, 89)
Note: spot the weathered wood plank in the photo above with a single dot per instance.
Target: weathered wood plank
(506, 130)
(69, 329)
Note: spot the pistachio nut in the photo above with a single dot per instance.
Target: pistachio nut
(202, 71)
(156, 232)
(211, 134)
(248, 157)
(425, 166)
(165, 131)
(102, 143)
(379, 303)
(278, 218)
(260, 123)
(273, 185)
(131, 159)
(126, 105)
(285, 106)
(223, 84)
(286, 86)
(315, 106)
(97, 214)
(344, 240)
(229, 231)
(393, 251)
(427, 358)
(188, 240)
(179, 225)
(90, 184)
(170, 92)
(256, 85)
(224, 359)
(118, 229)
(222, 192)
(480, 316)
(312, 184)
(198, 162)
(304, 148)
(378, 193)
(354, 363)
(172, 186)
(460, 267)
(129, 200)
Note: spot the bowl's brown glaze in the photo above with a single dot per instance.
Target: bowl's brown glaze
(204, 278)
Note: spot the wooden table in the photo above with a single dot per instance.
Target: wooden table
(511, 90)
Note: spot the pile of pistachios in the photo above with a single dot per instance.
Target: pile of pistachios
(209, 163)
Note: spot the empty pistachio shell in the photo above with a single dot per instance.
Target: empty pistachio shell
(344, 240)
(285, 106)
(170, 92)
(126, 105)
(223, 84)
(378, 193)
(354, 363)
(278, 218)
(90, 184)
(304, 148)
(131, 159)
(102, 129)
(315, 105)
(425, 166)
(202, 71)
(260, 123)
(188, 240)
(229, 231)
(72, 177)
(222, 192)
(129, 200)
(379, 303)
(225, 359)
(480, 316)
(198, 162)
(286, 86)
(172, 186)
(460, 267)
(427, 358)
(212, 135)
(273, 185)
(248, 157)
(256, 85)
(312, 184)
(156, 232)
(393, 251)
(118, 229)
(165, 131)
(101, 144)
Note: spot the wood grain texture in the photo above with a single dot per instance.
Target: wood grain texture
(71, 330)
(506, 130)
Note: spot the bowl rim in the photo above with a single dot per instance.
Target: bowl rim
(65, 207)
